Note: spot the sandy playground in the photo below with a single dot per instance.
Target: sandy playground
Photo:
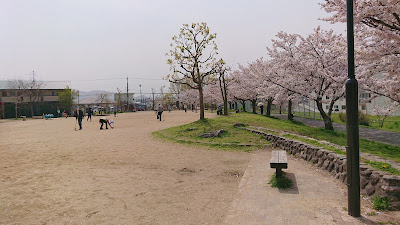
(51, 174)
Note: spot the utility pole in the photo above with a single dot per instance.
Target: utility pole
(141, 97)
(152, 92)
(352, 130)
(127, 95)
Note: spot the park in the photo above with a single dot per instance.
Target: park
(130, 175)
(269, 112)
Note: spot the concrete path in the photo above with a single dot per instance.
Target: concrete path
(315, 198)
(387, 137)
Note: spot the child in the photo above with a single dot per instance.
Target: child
(105, 121)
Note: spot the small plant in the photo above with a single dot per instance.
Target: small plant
(281, 182)
(380, 203)
(344, 208)
(371, 213)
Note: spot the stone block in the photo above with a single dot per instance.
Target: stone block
(363, 182)
(369, 189)
(391, 180)
(366, 173)
(320, 162)
(331, 166)
(374, 178)
(326, 164)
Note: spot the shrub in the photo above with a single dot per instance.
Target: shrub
(362, 118)
(342, 117)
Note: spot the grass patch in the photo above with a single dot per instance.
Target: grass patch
(281, 182)
(391, 123)
(380, 203)
(235, 135)
(316, 143)
(386, 167)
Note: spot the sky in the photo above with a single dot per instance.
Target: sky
(97, 44)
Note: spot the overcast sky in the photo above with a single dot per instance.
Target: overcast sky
(95, 44)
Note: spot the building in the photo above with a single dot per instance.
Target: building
(18, 100)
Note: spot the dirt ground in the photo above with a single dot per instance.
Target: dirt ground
(51, 174)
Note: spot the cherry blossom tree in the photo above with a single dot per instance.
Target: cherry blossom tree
(377, 26)
(189, 97)
(244, 86)
(313, 68)
(192, 58)
(384, 111)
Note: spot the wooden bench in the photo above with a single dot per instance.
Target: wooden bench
(278, 161)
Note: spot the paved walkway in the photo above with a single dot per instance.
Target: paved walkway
(314, 199)
(387, 137)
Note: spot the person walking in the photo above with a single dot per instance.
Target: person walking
(89, 115)
(115, 113)
(159, 111)
(79, 117)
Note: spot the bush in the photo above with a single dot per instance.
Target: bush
(342, 117)
(362, 118)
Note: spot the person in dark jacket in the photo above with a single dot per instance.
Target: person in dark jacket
(79, 117)
(89, 114)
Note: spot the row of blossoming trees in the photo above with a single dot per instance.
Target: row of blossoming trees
(312, 67)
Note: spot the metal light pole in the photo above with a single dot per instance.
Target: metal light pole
(352, 148)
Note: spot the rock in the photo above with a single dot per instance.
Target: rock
(239, 125)
(391, 188)
(326, 164)
(320, 162)
(366, 173)
(213, 134)
(192, 128)
(363, 182)
(391, 180)
(374, 178)
(369, 189)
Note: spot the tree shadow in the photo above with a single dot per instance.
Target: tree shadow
(294, 189)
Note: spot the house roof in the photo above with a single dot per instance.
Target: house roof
(46, 84)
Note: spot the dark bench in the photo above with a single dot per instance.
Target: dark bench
(278, 161)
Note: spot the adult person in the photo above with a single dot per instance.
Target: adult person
(262, 109)
(89, 115)
(115, 112)
(159, 111)
(79, 117)
(58, 112)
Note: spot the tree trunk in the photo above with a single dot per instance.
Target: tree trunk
(280, 109)
(253, 102)
(201, 103)
(269, 105)
(244, 105)
(236, 105)
(31, 109)
(16, 110)
(290, 115)
(327, 119)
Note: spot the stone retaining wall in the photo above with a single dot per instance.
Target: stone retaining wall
(372, 181)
